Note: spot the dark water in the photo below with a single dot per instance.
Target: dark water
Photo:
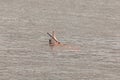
(90, 30)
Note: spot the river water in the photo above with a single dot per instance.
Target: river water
(90, 30)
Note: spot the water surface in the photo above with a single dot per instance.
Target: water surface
(89, 29)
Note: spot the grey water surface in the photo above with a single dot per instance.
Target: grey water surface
(90, 30)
